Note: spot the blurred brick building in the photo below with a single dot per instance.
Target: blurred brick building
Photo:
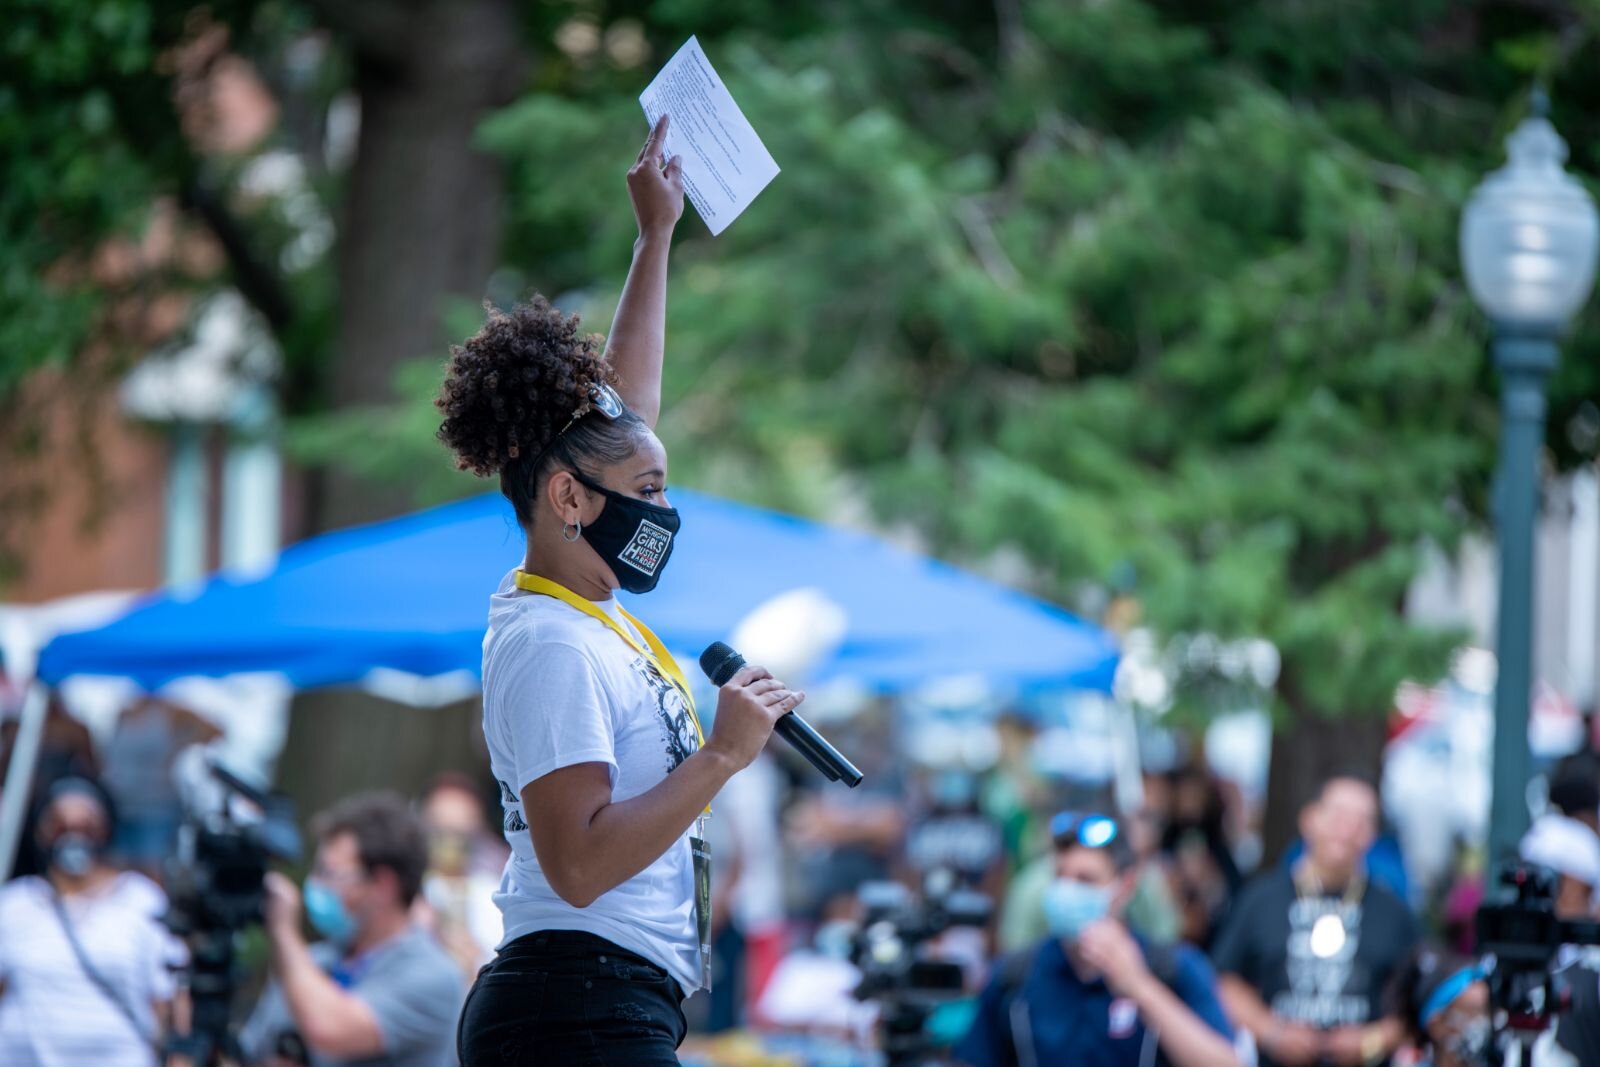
(154, 461)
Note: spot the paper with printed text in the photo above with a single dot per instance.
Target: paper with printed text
(725, 165)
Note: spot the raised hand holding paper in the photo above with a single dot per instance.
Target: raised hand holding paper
(724, 163)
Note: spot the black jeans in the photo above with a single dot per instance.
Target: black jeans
(562, 997)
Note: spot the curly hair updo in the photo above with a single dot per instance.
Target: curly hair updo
(509, 390)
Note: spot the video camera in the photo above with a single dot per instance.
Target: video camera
(906, 984)
(215, 891)
(1520, 936)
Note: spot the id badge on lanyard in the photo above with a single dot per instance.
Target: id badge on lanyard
(701, 848)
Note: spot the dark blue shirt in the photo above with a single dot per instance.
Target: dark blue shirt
(1067, 1020)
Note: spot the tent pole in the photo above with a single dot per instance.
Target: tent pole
(1127, 782)
(19, 775)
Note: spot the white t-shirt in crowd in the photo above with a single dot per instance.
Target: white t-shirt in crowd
(51, 1013)
(561, 688)
(748, 822)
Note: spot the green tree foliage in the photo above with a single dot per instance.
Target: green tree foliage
(1119, 285)
(1128, 287)
(63, 62)
(90, 140)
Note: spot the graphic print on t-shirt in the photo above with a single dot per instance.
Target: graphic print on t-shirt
(512, 805)
(672, 714)
(1320, 964)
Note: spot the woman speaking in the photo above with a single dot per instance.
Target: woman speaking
(604, 774)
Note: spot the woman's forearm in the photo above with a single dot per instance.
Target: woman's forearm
(1185, 1038)
(623, 838)
(639, 331)
(1244, 1006)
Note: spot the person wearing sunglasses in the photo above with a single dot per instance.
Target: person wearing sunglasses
(1092, 992)
(1442, 999)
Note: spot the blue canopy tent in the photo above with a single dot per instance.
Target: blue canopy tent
(411, 595)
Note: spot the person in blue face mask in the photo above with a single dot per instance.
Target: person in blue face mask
(1092, 992)
(85, 964)
(377, 988)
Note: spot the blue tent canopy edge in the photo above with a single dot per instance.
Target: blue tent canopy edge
(412, 594)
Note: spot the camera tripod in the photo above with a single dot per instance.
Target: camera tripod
(210, 1041)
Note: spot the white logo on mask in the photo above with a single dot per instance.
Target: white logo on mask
(647, 548)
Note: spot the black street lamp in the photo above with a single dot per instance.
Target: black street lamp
(1529, 237)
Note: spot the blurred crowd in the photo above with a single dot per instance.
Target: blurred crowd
(1111, 933)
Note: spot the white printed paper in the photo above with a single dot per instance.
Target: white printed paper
(724, 163)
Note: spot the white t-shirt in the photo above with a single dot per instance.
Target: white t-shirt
(468, 902)
(51, 1013)
(747, 816)
(561, 688)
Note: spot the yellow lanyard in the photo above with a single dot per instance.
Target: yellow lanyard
(657, 656)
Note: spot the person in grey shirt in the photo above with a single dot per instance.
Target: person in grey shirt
(378, 991)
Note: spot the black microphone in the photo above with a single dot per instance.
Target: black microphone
(721, 663)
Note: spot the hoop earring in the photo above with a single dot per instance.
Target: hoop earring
(577, 531)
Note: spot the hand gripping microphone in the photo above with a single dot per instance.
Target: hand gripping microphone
(721, 663)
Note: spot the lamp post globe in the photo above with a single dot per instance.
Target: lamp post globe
(1529, 239)
(1529, 235)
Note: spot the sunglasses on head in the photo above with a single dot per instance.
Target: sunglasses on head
(1089, 829)
(602, 399)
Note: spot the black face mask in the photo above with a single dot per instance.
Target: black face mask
(633, 537)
